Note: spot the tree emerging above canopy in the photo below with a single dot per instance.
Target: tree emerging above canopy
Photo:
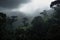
(54, 3)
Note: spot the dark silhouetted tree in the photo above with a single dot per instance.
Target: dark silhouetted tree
(54, 23)
(57, 2)
(25, 21)
(37, 24)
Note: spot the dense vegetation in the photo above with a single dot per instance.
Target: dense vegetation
(40, 28)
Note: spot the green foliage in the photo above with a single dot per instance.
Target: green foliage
(25, 21)
(40, 28)
(54, 25)
(6, 34)
(45, 15)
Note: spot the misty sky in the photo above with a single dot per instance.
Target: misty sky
(24, 6)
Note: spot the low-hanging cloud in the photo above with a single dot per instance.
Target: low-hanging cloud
(35, 5)
(29, 7)
(11, 3)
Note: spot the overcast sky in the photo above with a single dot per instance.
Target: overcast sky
(25, 6)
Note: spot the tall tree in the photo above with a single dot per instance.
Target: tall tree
(25, 21)
(54, 23)
(37, 24)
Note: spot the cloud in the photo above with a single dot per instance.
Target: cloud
(35, 5)
(11, 3)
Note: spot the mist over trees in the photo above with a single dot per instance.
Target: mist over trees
(45, 27)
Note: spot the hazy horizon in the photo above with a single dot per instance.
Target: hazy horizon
(27, 7)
